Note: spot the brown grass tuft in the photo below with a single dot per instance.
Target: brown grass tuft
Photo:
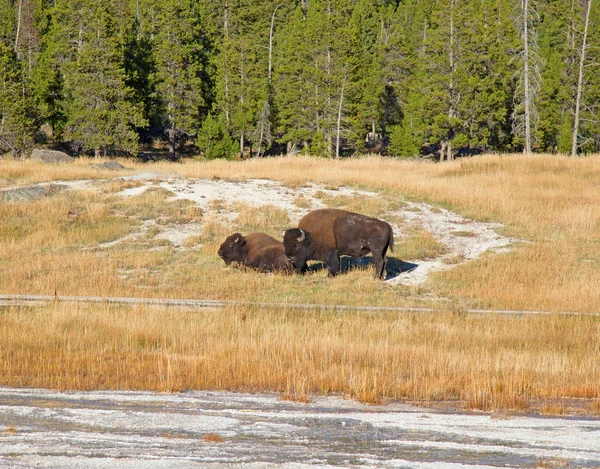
(420, 244)
(267, 219)
(213, 438)
(12, 430)
(554, 463)
(296, 397)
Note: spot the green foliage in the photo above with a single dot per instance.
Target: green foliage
(559, 74)
(7, 21)
(403, 141)
(178, 61)
(16, 110)
(416, 75)
(214, 139)
(100, 114)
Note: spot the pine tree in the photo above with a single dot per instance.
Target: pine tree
(49, 70)
(98, 110)
(140, 70)
(100, 113)
(588, 131)
(368, 79)
(327, 64)
(292, 90)
(403, 95)
(7, 23)
(244, 82)
(16, 109)
(214, 139)
(525, 113)
(178, 59)
(441, 56)
(461, 100)
(558, 76)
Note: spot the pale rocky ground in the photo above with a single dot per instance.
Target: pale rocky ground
(463, 239)
(143, 430)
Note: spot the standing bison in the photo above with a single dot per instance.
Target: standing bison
(326, 234)
(257, 251)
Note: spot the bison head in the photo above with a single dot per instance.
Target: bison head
(232, 249)
(298, 247)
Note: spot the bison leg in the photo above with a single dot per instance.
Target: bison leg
(380, 263)
(333, 263)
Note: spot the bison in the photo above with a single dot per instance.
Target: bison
(326, 234)
(257, 251)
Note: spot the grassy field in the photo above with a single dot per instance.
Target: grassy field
(52, 245)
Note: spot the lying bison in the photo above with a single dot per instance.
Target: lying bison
(326, 234)
(257, 251)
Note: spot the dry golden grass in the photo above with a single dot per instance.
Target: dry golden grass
(420, 244)
(53, 245)
(267, 219)
(213, 438)
(508, 363)
(551, 201)
(370, 206)
(553, 463)
(28, 172)
(12, 430)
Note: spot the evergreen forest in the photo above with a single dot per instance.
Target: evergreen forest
(249, 78)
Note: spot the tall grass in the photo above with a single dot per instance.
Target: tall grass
(549, 201)
(484, 362)
(55, 245)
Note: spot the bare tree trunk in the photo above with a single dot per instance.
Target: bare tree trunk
(452, 112)
(443, 150)
(260, 138)
(266, 114)
(97, 152)
(424, 37)
(339, 120)
(271, 45)
(580, 80)
(18, 28)
(242, 144)
(526, 77)
(32, 37)
(172, 155)
(327, 130)
(226, 68)
(80, 39)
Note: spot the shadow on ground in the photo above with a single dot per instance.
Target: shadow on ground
(393, 268)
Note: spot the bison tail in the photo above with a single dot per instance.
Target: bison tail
(391, 244)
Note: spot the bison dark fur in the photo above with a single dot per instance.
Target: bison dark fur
(257, 250)
(326, 234)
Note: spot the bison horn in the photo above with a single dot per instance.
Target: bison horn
(302, 235)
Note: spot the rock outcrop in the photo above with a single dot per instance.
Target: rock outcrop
(50, 156)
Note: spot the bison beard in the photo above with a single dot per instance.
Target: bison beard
(326, 234)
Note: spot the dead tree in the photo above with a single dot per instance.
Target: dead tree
(529, 78)
(580, 79)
